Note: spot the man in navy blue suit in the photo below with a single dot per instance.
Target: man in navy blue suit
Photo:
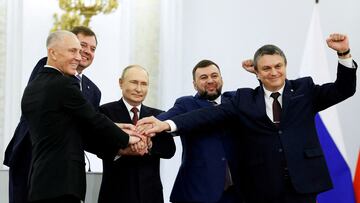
(207, 170)
(282, 160)
(18, 152)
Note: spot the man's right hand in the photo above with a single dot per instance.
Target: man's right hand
(151, 125)
(134, 137)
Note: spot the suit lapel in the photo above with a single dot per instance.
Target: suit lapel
(202, 102)
(123, 112)
(144, 111)
(287, 94)
(261, 108)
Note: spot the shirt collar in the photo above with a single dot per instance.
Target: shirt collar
(218, 100)
(48, 66)
(267, 93)
(129, 107)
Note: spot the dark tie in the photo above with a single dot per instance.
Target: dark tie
(228, 178)
(135, 117)
(79, 78)
(276, 107)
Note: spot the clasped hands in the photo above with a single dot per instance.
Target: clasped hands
(139, 144)
(140, 135)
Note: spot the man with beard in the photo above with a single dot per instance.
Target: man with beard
(207, 171)
(18, 152)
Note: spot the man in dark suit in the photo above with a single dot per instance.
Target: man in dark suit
(134, 177)
(279, 148)
(18, 152)
(57, 112)
(208, 155)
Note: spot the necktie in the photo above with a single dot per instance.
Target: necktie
(79, 78)
(135, 117)
(276, 108)
(228, 178)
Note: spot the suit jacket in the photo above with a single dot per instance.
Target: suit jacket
(263, 146)
(201, 176)
(134, 179)
(57, 112)
(18, 152)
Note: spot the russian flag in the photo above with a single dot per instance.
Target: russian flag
(314, 64)
(357, 180)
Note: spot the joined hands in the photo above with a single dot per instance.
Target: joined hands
(139, 144)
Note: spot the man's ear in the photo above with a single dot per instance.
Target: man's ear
(120, 83)
(52, 54)
(194, 84)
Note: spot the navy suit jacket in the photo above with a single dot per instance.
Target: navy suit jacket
(263, 146)
(201, 176)
(134, 179)
(18, 151)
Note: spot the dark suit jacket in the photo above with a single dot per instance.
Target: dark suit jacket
(263, 146)
(201, 177)
(18, 152)
(57, 112)
(134, 179)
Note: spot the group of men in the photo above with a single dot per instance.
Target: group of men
(251, 145)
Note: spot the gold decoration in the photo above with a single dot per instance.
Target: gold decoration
(79, 12)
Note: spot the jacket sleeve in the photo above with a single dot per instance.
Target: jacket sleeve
(103, 130)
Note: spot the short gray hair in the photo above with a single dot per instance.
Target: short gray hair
(57, 36)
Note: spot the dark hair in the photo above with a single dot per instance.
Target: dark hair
(85, 31)
(268, 49)
(203, 64)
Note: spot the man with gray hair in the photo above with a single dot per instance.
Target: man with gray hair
(18, 152)
(56, 112)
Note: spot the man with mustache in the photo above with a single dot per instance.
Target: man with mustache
(208, 168)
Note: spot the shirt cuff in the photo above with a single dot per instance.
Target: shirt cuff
(348, 62)
(172, 125)
(117, 157)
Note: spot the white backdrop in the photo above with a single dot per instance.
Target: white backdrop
(225, 31)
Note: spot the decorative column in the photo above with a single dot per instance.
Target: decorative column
(11, 63)
(2, 71)
(145, 39)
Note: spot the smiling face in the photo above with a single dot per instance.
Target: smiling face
(271, 71)
(88, 47)
(208, 82)
(64, 52)
(134, 84)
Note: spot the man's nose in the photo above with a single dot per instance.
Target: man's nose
(138, 87)
(273, 71)
(85, 50)
(78, 56)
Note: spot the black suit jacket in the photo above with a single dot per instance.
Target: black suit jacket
(18, 152)
(263, 146)
(57, 112)
(134, 179)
